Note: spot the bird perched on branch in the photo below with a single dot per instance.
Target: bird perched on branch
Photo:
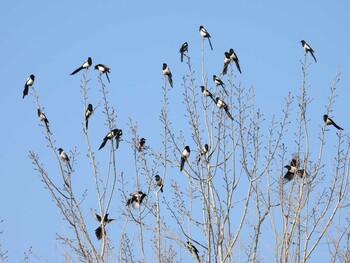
(136, 199)
(184, 156)
(218, 82)
(159, 182)
(104, 70)
(222, 105)
(167, 72)
(43, 118)
(183, 49)
(203, 151)
(29, 82)
(194, 251)
(227, 61)
(205, 34)
(64, 157)
(329, 121)
(88, 112)
(103, 222)
(234, 58)
(207, 93)
(294, 169)
(141, 144)
(117, 133)
(308, 48)
(85, 65)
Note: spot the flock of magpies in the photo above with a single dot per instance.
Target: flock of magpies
(137, 197)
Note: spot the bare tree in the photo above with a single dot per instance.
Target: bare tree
(227, 197)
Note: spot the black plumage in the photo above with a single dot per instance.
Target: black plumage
(115, 133)
(184, 156)
(29, 82)
(329, 121)
(88, 112)
(159, 182)
(218, 82)
(103, 222)
(167, 72)
(104, 70)
(183, 49)
(234, 58)
(205, 34)
(44, 119)
(308, 49)
(85, 65)
(222, 105)
(64, 157)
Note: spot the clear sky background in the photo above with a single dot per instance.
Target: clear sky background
(52, 38)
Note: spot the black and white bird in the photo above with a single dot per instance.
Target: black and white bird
(227, 61)
(29, 82)
(141, 144)
(159, 182)
(205, 34)
(207, 93)
(115, 133)
(64, 157)
(234, 58)
(293, 169)
(218, 82)
(44, 119)
(329, 121)
(167, 72)
(308, 48)
(103, 222)
(194, 251)
(88, 112)
(183, 49)
(136, 199)
(222, 105)
(104, 70)
(86, 65)
(184, 156)
(203, 151)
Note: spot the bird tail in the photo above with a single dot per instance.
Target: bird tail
(161, 188)
(47, 126)
(98, 232)
(107, 77)
(312, 54)
(238, 67)
(210, 43)
(224, 70)
(117, 143)
(77, 70)
(25, 91)
(228, 113)
(103, 144)
(170, 80)
(182, 164)
(86, 123)
(225, 90)
(336, 126)
(70, 167)
(182, 56)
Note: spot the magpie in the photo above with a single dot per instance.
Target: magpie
(203, 151)
(103, 221)
(207, 93)
(88, 112)
(141, 145)
(117, 133)
(221, 104)
(291, 171)
(64, 157)
(136, 199)
(234, 58)
(329, 121)
(103, 69)
(294, 169)
(167, 72)
(219, 82)
(205, 34)
(29, 82)
(307, 48)
(227, 61)
(43, 118)
(86, 65)
(159, 182)
(183, 49)
(185, 154)
(194, 251)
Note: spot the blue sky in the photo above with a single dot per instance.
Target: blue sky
(51, 39)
